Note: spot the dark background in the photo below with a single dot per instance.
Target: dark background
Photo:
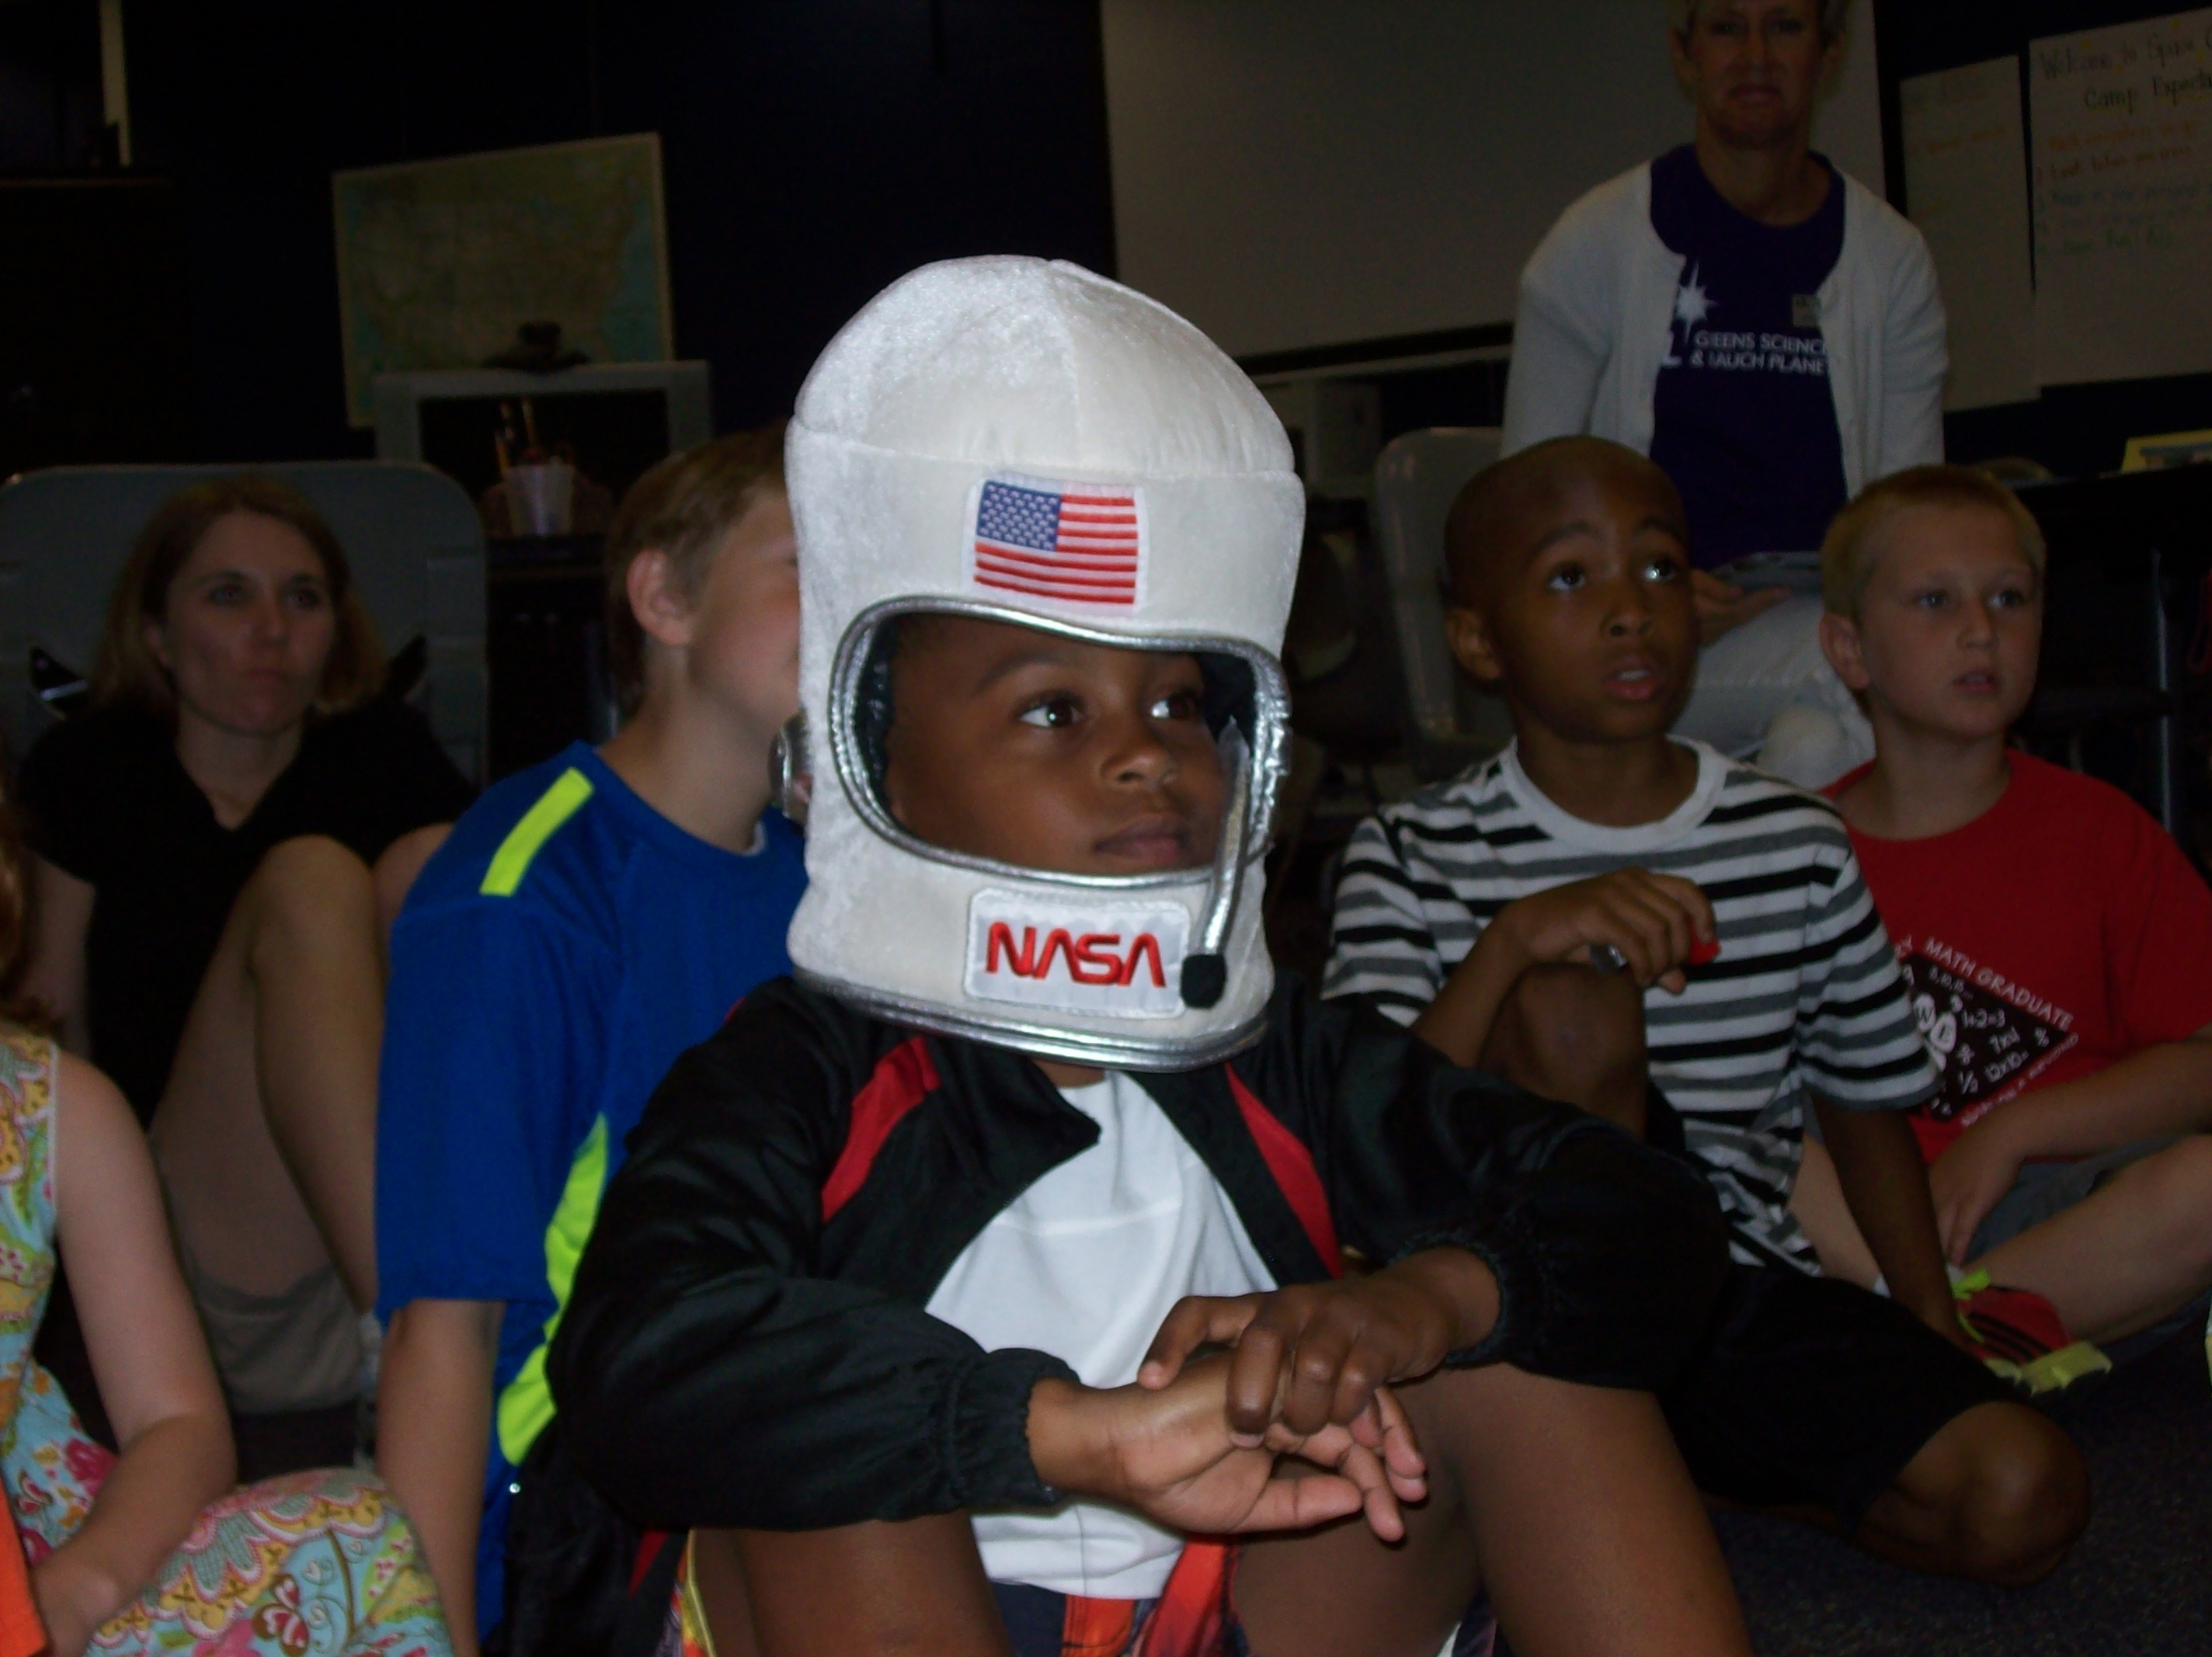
(2075, 430)
(813, 152)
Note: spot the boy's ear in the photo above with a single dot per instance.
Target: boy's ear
(657, 599)
(1840, 644)
(1472, 646)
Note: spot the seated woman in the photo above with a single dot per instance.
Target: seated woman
(1769, 331)
(215, 839)
(151, 1550)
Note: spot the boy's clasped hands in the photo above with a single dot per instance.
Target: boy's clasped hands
(1197, 1440)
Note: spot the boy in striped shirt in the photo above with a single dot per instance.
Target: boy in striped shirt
(1677, 942)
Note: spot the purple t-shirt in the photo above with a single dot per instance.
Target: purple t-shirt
(1744, 421)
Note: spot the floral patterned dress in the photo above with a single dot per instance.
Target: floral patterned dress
(313, 1565)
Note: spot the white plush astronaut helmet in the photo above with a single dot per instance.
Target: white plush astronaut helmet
(1027, 442)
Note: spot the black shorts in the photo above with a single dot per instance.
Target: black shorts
(1811, 1391)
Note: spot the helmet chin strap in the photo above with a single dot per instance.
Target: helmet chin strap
(1205, 969)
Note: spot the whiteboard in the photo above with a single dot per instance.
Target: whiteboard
(2123, 171)
(1301, 172)
(1965, 178)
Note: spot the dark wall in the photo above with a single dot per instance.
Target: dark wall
(2075, 430)
(813, 152)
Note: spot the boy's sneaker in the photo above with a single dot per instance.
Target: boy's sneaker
(2018, 1334)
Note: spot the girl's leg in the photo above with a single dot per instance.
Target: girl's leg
(1569, 1503)
(2136, 1249)
(266, 1134)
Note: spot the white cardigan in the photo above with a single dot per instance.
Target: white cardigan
(1597, 299)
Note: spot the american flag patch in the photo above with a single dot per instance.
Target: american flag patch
(1080, 541)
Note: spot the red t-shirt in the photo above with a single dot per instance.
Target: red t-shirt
(2060, 930)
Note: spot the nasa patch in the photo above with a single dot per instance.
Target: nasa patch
(1121, 958)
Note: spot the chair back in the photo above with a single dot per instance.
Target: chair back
(411, 536)
(1449, 724)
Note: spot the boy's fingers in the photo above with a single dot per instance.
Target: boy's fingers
(1299, 1504)
(1399, 1446)
(1256, 1378)
(1193, 1321)
(1316, 1364)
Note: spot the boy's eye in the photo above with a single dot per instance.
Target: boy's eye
(2008, 599)
(1052, 713)
(1934, 598)
(226, 592)
(1566, 579)
(1177, 705)
(1663, 568)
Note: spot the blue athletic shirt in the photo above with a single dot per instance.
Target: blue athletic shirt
(562, 948)
(1744, 421)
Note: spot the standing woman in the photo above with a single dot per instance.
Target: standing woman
(213, 839)
(1767, 329)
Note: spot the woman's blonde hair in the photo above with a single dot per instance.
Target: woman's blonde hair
(129, 673)
(1856, 539)
(1681, 14)
(683, 508)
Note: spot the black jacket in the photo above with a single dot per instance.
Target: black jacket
(745, 1344)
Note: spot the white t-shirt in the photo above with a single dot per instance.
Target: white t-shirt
(1085, 1264)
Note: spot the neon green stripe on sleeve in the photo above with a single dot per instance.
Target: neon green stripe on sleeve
(527, 838)
(526, 1404)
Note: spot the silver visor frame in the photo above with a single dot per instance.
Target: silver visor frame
(1270, 744)
(1240, 851)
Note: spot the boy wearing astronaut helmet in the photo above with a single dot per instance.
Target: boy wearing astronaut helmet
(988, 1275)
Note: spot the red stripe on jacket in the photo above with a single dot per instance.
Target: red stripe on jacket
(902, 1078)
(1296, 1176)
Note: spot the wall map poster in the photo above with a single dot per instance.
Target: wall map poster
(440, 262)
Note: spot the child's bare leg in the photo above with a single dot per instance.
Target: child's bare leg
(915, 1587)
(1575, 1035)
(1818, 1202)
(1998, 1496)
(266, 1134)
(2136, 1249)
(1569, 1502)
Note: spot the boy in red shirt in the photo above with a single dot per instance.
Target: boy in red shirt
(2057, 944)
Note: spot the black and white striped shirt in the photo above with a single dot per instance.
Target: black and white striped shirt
(1805, 994)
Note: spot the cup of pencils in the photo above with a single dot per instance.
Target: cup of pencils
(541, 487)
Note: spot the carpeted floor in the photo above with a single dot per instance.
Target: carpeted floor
(2138, 1583)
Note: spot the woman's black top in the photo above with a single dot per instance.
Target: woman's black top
(106, 799)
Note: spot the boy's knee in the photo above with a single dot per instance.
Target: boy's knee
(2017, 1491)
(1573, 1034)
(2174, 1191)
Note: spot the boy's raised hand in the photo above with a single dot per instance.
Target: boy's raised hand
(1166, 1451)
(1659, 923)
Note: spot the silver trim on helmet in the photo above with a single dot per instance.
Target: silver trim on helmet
(1270, 747)
(1101, 1047)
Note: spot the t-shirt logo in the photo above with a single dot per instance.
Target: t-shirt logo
(1077, 956)
(1986, 1046)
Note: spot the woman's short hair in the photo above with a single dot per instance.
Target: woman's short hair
(1861, 530)
(1681, 14)
(682, 509)
(129, 673)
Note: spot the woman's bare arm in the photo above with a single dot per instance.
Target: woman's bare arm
(148, 1355)
(56, 978)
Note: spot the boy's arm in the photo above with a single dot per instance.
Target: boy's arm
(1655, 922)
(1606, 1256)
(433, 1432)
(1878, 1165)
(2160, 1091)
